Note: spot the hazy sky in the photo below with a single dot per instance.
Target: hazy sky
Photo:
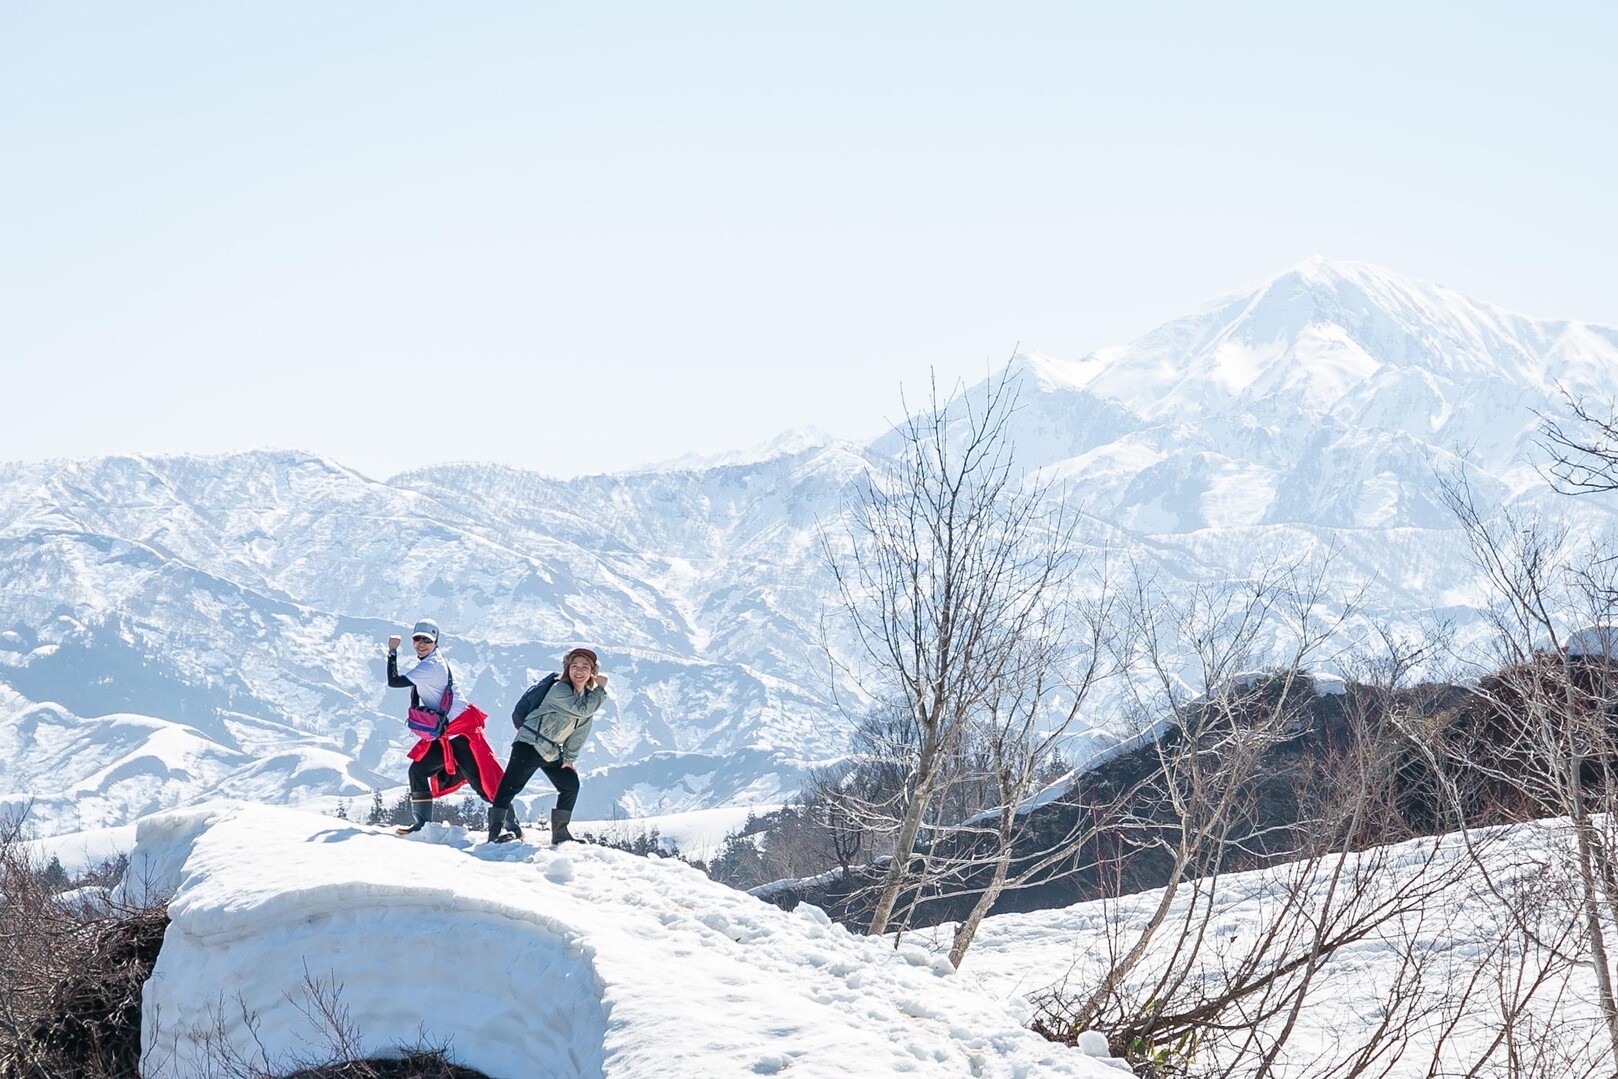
(585, 237)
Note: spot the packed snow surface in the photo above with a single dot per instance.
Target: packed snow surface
(531, 961)
(1437, 966)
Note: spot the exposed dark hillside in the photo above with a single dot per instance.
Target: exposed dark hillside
(1383, 749)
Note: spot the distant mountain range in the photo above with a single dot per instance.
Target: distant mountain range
(180, 627)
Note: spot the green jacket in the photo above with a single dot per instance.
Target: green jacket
(558, 725)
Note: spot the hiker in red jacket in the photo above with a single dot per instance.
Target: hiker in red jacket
(451, 749)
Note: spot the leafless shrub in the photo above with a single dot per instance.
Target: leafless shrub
(646, 843)
(1215, 973)
(798, 840)
(337, 1050)
(73, 964)
(1548, 717)
(1581, 453)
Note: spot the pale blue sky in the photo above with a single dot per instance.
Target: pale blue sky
(586, 237)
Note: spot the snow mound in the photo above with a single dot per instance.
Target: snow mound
(585, 961)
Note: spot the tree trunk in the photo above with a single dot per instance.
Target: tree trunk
(903, 849)
(991, 894)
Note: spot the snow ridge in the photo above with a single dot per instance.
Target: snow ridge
(578, 961)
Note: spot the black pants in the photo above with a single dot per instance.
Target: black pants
(466, 767)
(525, 761)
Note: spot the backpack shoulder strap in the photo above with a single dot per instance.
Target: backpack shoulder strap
(531, 699)
(540, 690)
(449, 689)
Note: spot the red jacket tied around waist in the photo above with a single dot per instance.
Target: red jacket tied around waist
(468, 725)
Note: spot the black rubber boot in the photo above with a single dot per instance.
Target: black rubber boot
(422, 810)
(497, 820)
(559, 832)
(512, 825)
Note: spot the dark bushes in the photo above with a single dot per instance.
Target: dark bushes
(72, 962)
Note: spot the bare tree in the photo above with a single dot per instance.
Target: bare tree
(953, 574)
(1581, 454)
(1201, 813)
(1181, 992)
(1548, 716)
(1019, 735)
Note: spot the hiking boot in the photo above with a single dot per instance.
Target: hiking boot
(421, 810)
(512, 825)
(559, 832)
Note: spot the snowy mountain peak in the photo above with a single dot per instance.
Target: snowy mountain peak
(1326, 270)
(1435, 326)
(787, 444)
(1342, 341)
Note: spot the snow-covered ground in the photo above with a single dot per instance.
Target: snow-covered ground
(528, 961)
(697, 835)
(583, 960)
(1441, 951)
(78, 851)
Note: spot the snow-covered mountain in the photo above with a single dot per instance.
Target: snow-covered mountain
(1313, 399)
(173, 628)
(1315, 415)
(241, 603)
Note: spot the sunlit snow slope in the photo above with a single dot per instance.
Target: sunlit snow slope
(534, 962)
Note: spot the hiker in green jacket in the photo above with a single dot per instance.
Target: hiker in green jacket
(553, 719)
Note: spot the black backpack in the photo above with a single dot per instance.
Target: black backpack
(531, 699)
